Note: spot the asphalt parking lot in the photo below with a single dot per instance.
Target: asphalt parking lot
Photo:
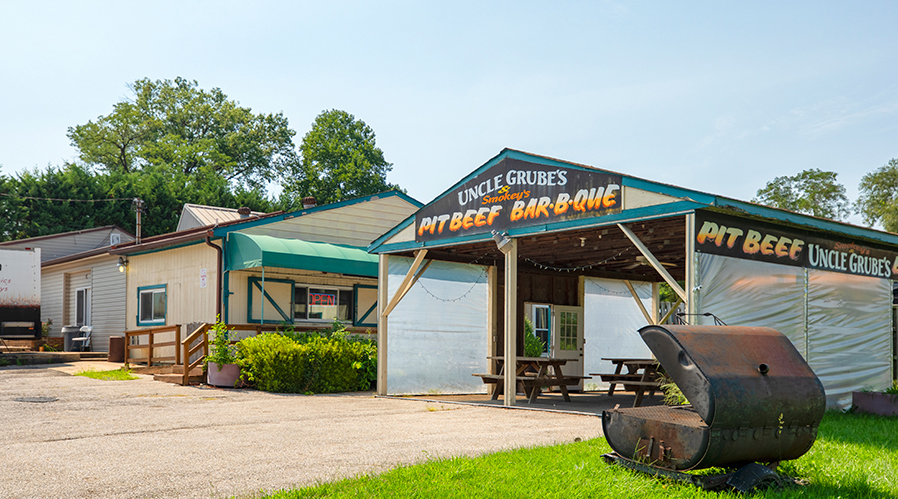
(66, 436)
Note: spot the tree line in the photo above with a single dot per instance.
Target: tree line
(818, 193)
(173, 143)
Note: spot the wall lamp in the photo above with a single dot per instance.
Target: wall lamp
(502, 242)
(122, 263)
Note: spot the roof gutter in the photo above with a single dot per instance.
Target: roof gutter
(134, 248)
(219, 277)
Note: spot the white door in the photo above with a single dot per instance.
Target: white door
(82, 307)
(567, 340)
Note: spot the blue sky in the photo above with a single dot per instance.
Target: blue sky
(716, 96)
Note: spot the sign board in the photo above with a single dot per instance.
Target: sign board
(515, 193)
(202, 278)
(750, 239)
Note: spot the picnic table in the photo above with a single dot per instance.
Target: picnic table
(531, 374)
(641, 374)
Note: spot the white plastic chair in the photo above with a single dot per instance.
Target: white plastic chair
(84, 339)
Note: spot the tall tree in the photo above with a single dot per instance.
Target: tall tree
(340, 160)
(176, 126)
(813, 192)
(878, 199)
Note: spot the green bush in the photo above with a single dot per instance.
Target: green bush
(308, 362)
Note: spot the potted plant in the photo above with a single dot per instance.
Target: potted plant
(884, 403)
(221, 363)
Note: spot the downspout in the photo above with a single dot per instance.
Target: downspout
(218, 276)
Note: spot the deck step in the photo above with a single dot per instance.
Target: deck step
(179, 369)
(177, 378)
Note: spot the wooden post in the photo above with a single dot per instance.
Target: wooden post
(511, 330)
(383, 270)
(691, 293)
(150, 352)
(177, 344)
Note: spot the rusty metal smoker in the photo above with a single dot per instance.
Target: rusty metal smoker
(753, 399)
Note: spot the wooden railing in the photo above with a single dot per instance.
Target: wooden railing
(152, 344)
(191, 346)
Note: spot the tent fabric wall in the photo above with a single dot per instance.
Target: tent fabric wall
(611, 324)
(751, 293)
(435, 346)
(849, 333)
(840, 323)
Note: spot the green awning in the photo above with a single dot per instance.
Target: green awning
(249, 251)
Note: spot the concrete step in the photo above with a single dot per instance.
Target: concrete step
(178, 378)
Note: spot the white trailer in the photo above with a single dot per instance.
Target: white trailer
(20, 293)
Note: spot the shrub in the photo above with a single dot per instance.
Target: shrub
(308, 362)
(533, 346)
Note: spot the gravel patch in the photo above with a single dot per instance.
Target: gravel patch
(67, 436)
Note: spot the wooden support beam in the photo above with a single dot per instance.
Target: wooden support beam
(406, 283)
(653, 261)
(671, 311)
(511, 326)
(642, 309)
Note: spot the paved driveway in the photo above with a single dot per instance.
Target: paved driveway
(67, 436)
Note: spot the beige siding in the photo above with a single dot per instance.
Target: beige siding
(53, 247)
(60, 283)
(637, 198)
(403, 236)
(238, 285)
(354, 225)
(179, 270)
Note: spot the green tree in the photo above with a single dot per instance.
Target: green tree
(813, 192)
(878, 197)
(55, 200)
(177, 126)
(340, 160)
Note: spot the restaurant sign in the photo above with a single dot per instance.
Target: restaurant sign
(515, 193)
(749, 239)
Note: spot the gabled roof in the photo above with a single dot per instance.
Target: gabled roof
(197, 215)
(682, 200)
(66, 244)
(190, 236)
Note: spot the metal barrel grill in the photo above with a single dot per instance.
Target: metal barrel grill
(753, 399)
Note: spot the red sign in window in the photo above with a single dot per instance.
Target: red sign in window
(323, 299)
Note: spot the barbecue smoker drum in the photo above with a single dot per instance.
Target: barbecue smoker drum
(754, 399)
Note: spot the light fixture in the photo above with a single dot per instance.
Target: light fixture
(502, 242)
(122, 263)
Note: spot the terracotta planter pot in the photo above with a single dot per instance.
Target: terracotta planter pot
(880, 403)
(226, 377)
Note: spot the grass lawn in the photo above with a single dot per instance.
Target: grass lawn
(115, 374)
(855, 456)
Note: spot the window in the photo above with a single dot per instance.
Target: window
(82, 307)
(151, 305)
(319, 303)
(542, 326)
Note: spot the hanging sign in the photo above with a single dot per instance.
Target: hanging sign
(515, 193)
(749, 239)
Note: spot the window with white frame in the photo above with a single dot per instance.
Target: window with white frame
(322, 303)
(151, 302)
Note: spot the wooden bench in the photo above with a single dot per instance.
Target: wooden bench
(530, 383)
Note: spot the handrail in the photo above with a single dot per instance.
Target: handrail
(202, 331)
(152, 345)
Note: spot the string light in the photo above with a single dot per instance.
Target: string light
(466, 293)
(576, 269)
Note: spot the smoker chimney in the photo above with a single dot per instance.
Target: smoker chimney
(309, 202)
(244, 211)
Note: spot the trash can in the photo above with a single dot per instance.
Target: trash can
(116, 349)
(69, 332)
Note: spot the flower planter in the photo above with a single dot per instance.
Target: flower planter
(226, 376)
(883, 404)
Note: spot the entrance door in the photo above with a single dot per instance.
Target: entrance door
(567, 340)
